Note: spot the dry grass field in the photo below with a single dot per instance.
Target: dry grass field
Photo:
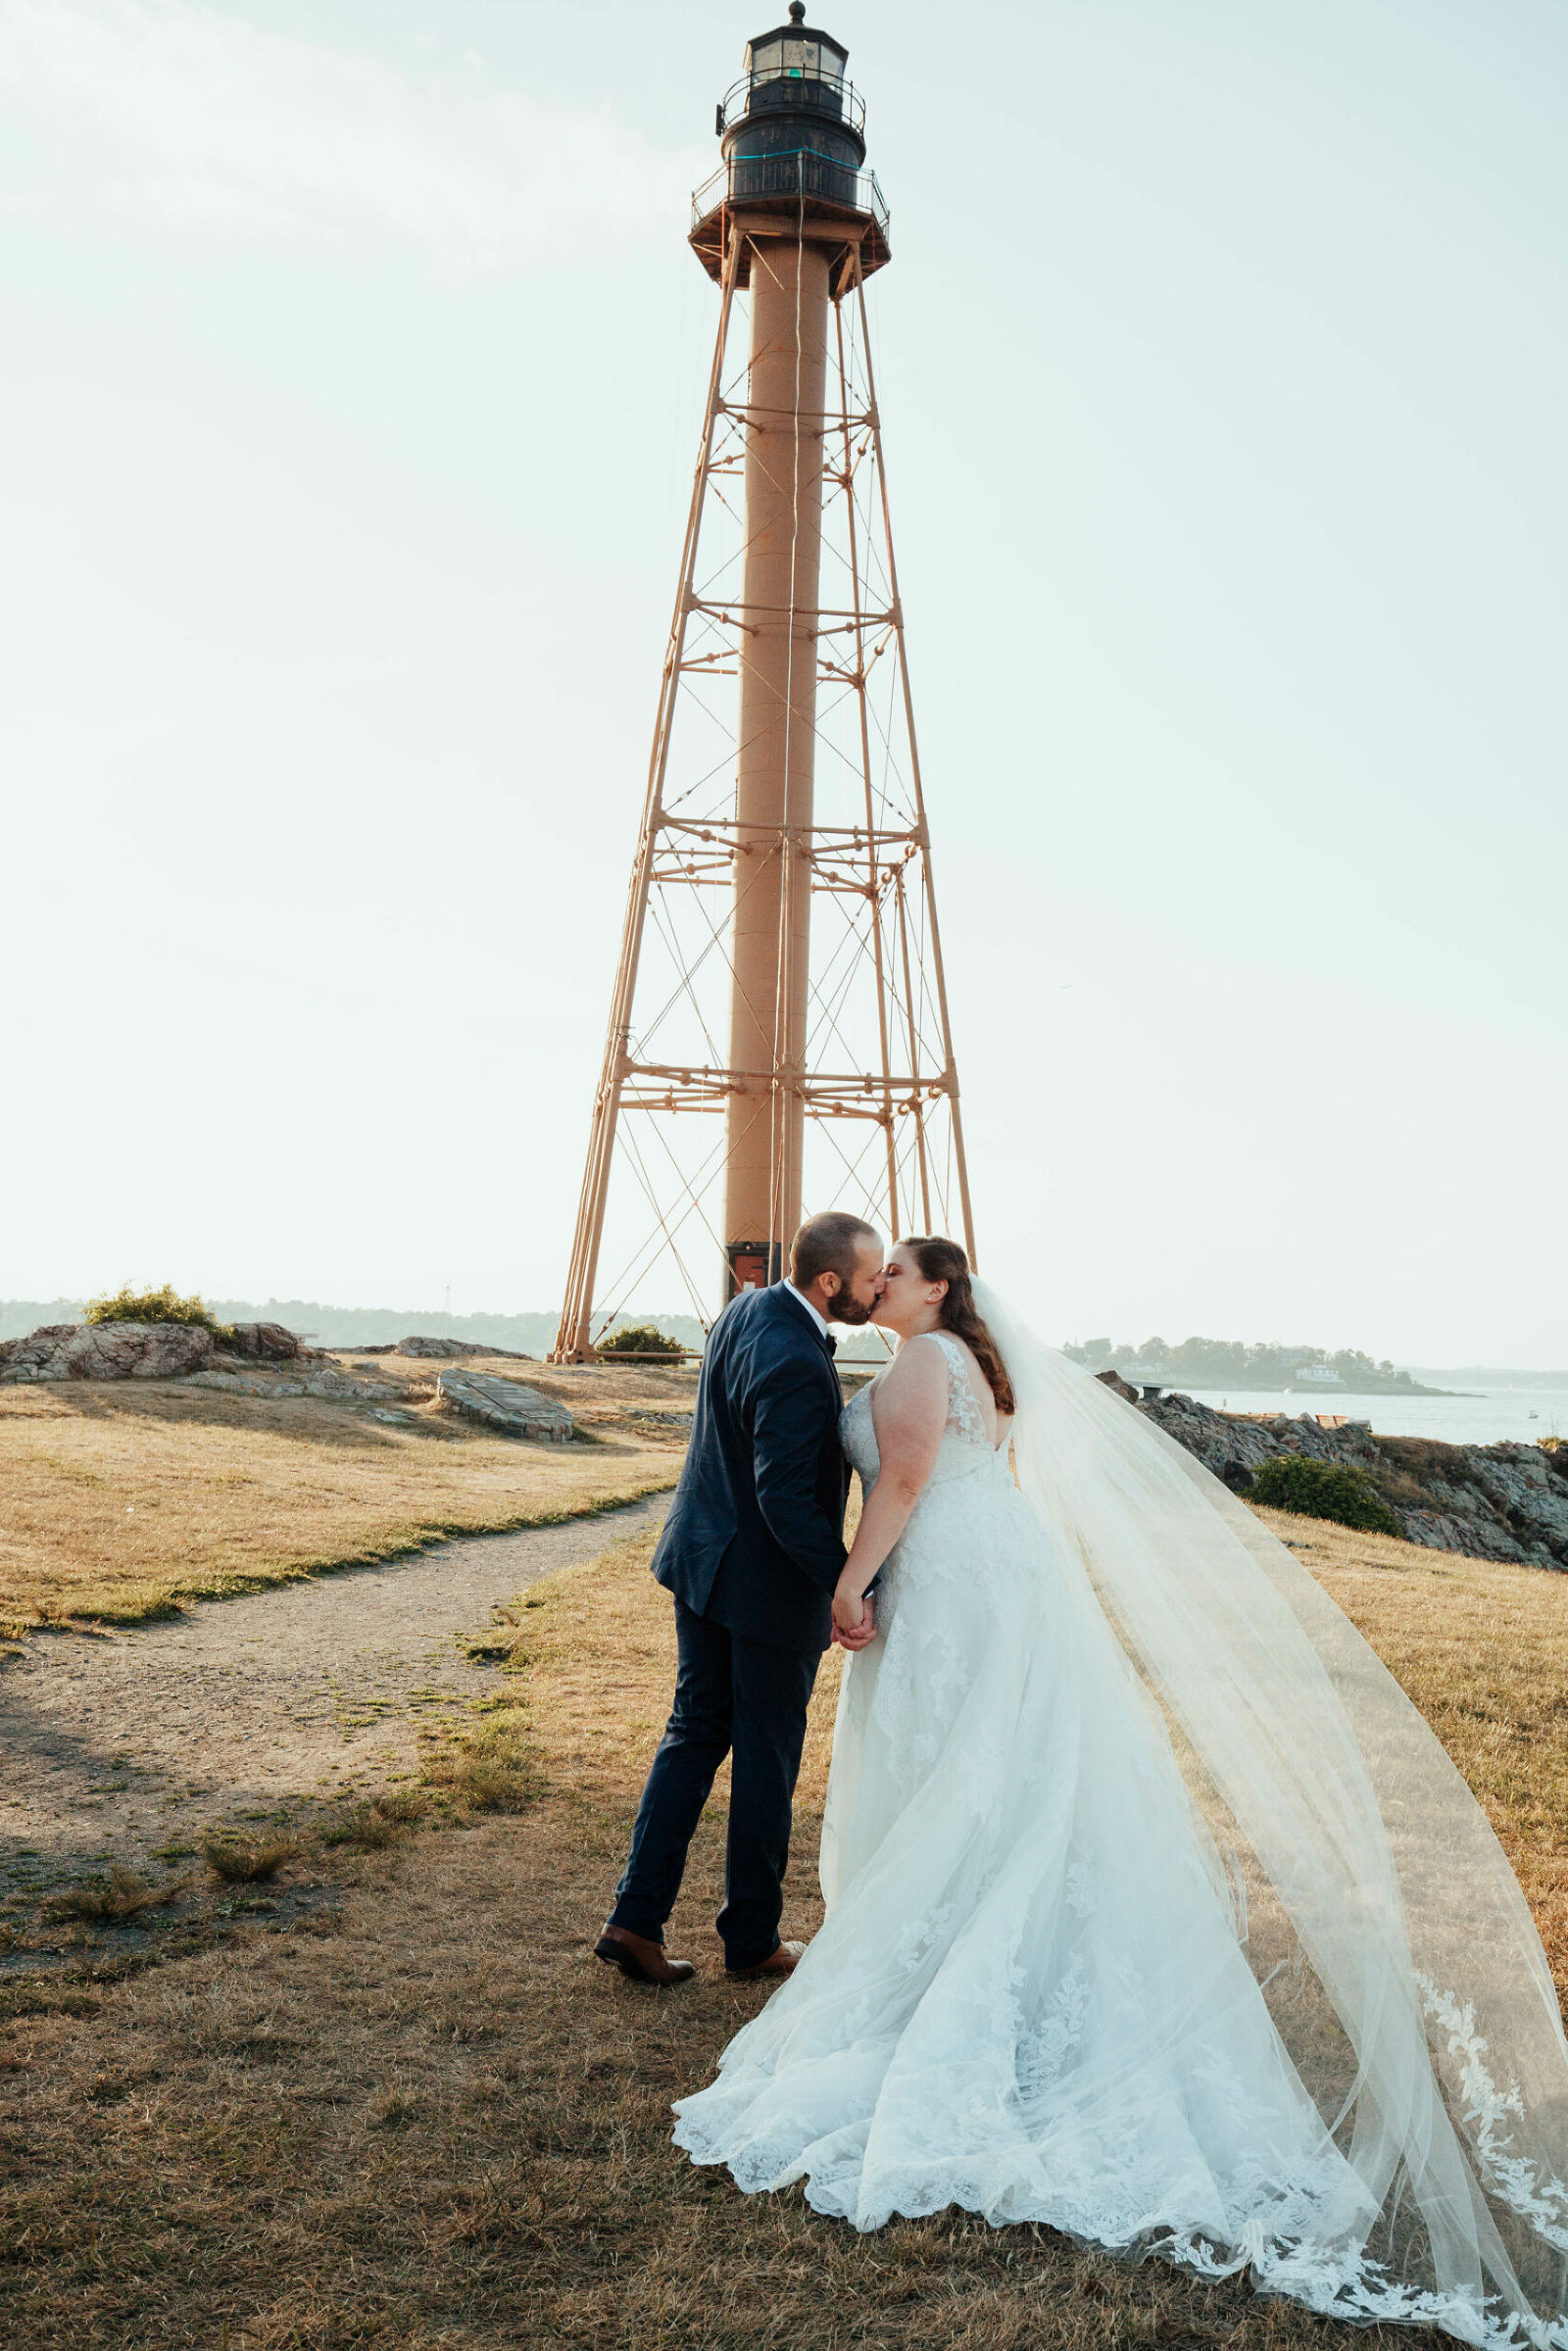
(120, 1499)
(422, 2116)
(1481, 1648)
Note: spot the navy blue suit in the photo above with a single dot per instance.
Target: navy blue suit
(752, 1550)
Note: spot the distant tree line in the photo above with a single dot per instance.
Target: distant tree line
(1233, 1364)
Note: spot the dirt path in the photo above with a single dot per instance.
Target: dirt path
(127, 1746)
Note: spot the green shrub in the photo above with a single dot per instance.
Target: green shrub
(640, 1338)
(154, 1306)
(1322, 1490)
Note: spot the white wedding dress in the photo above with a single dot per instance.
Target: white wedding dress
(1037, 1994)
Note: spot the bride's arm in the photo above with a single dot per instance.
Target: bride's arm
(909, 1412)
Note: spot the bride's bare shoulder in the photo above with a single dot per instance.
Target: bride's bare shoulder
(943, 1353)
(916, 1372)
(913, 1389)
(910, 1408)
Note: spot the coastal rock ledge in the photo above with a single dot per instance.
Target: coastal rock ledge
(257, 1358)
(107, 1350)
(1486, 1501)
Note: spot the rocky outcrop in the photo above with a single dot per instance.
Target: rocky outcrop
(1486, 1501)
(1437, 1532)
(266, 1343)
(453, 1350)
(1498, 1491)
(250, 1363)
(107, 1350)
(227, 1374)
(1235, 1445)
(342, 1384)
(506, 1406)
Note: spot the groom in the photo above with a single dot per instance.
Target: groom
(752, 1550)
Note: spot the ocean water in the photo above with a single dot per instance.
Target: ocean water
(1522, 1415)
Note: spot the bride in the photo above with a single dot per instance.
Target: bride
(1156, 1913)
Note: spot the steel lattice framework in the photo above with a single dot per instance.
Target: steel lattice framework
(879, 1086)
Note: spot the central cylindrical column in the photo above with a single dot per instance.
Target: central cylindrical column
(776, 757)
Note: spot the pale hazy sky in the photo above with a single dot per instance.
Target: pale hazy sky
(351, 363)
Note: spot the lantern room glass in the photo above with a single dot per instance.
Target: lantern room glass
(788, 58)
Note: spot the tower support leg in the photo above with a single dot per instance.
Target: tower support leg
(574, 1337)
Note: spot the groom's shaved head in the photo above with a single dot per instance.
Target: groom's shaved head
(830, 1244)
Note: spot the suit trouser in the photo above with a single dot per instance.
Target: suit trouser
(732, 1696)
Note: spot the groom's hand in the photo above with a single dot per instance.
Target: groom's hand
(854, 1621)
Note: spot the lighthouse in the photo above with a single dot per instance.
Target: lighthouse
(816, 1002)
(793, 147)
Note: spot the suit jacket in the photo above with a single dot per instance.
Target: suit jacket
(754, 1538)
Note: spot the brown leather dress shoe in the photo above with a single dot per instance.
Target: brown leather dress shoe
(782, 1962)
(640, 1958)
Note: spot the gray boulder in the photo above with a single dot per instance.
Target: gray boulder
(342, 1384)
(237, 1379)
(505, 1406)
(228, 1374)
(266, 1343)
(454, 1350)
(107, 1350)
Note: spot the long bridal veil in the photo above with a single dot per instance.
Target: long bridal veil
(1399, 1961)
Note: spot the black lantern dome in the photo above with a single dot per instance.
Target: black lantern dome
(791, 124)
(792, 134)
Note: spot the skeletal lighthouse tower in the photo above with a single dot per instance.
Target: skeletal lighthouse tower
(778, 1034)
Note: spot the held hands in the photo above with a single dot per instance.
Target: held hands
(853, 1619)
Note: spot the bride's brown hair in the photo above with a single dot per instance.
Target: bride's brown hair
(942, 1261)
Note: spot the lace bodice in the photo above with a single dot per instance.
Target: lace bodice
(965, 1447)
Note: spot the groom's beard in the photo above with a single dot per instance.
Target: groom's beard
(850, 1311)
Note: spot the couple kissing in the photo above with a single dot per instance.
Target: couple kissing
(753, 1553)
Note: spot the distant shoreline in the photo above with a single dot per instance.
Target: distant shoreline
(534, 1334)
(1456, 1416)
(1179, 1384)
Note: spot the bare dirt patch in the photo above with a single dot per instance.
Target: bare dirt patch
(252, 1720)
